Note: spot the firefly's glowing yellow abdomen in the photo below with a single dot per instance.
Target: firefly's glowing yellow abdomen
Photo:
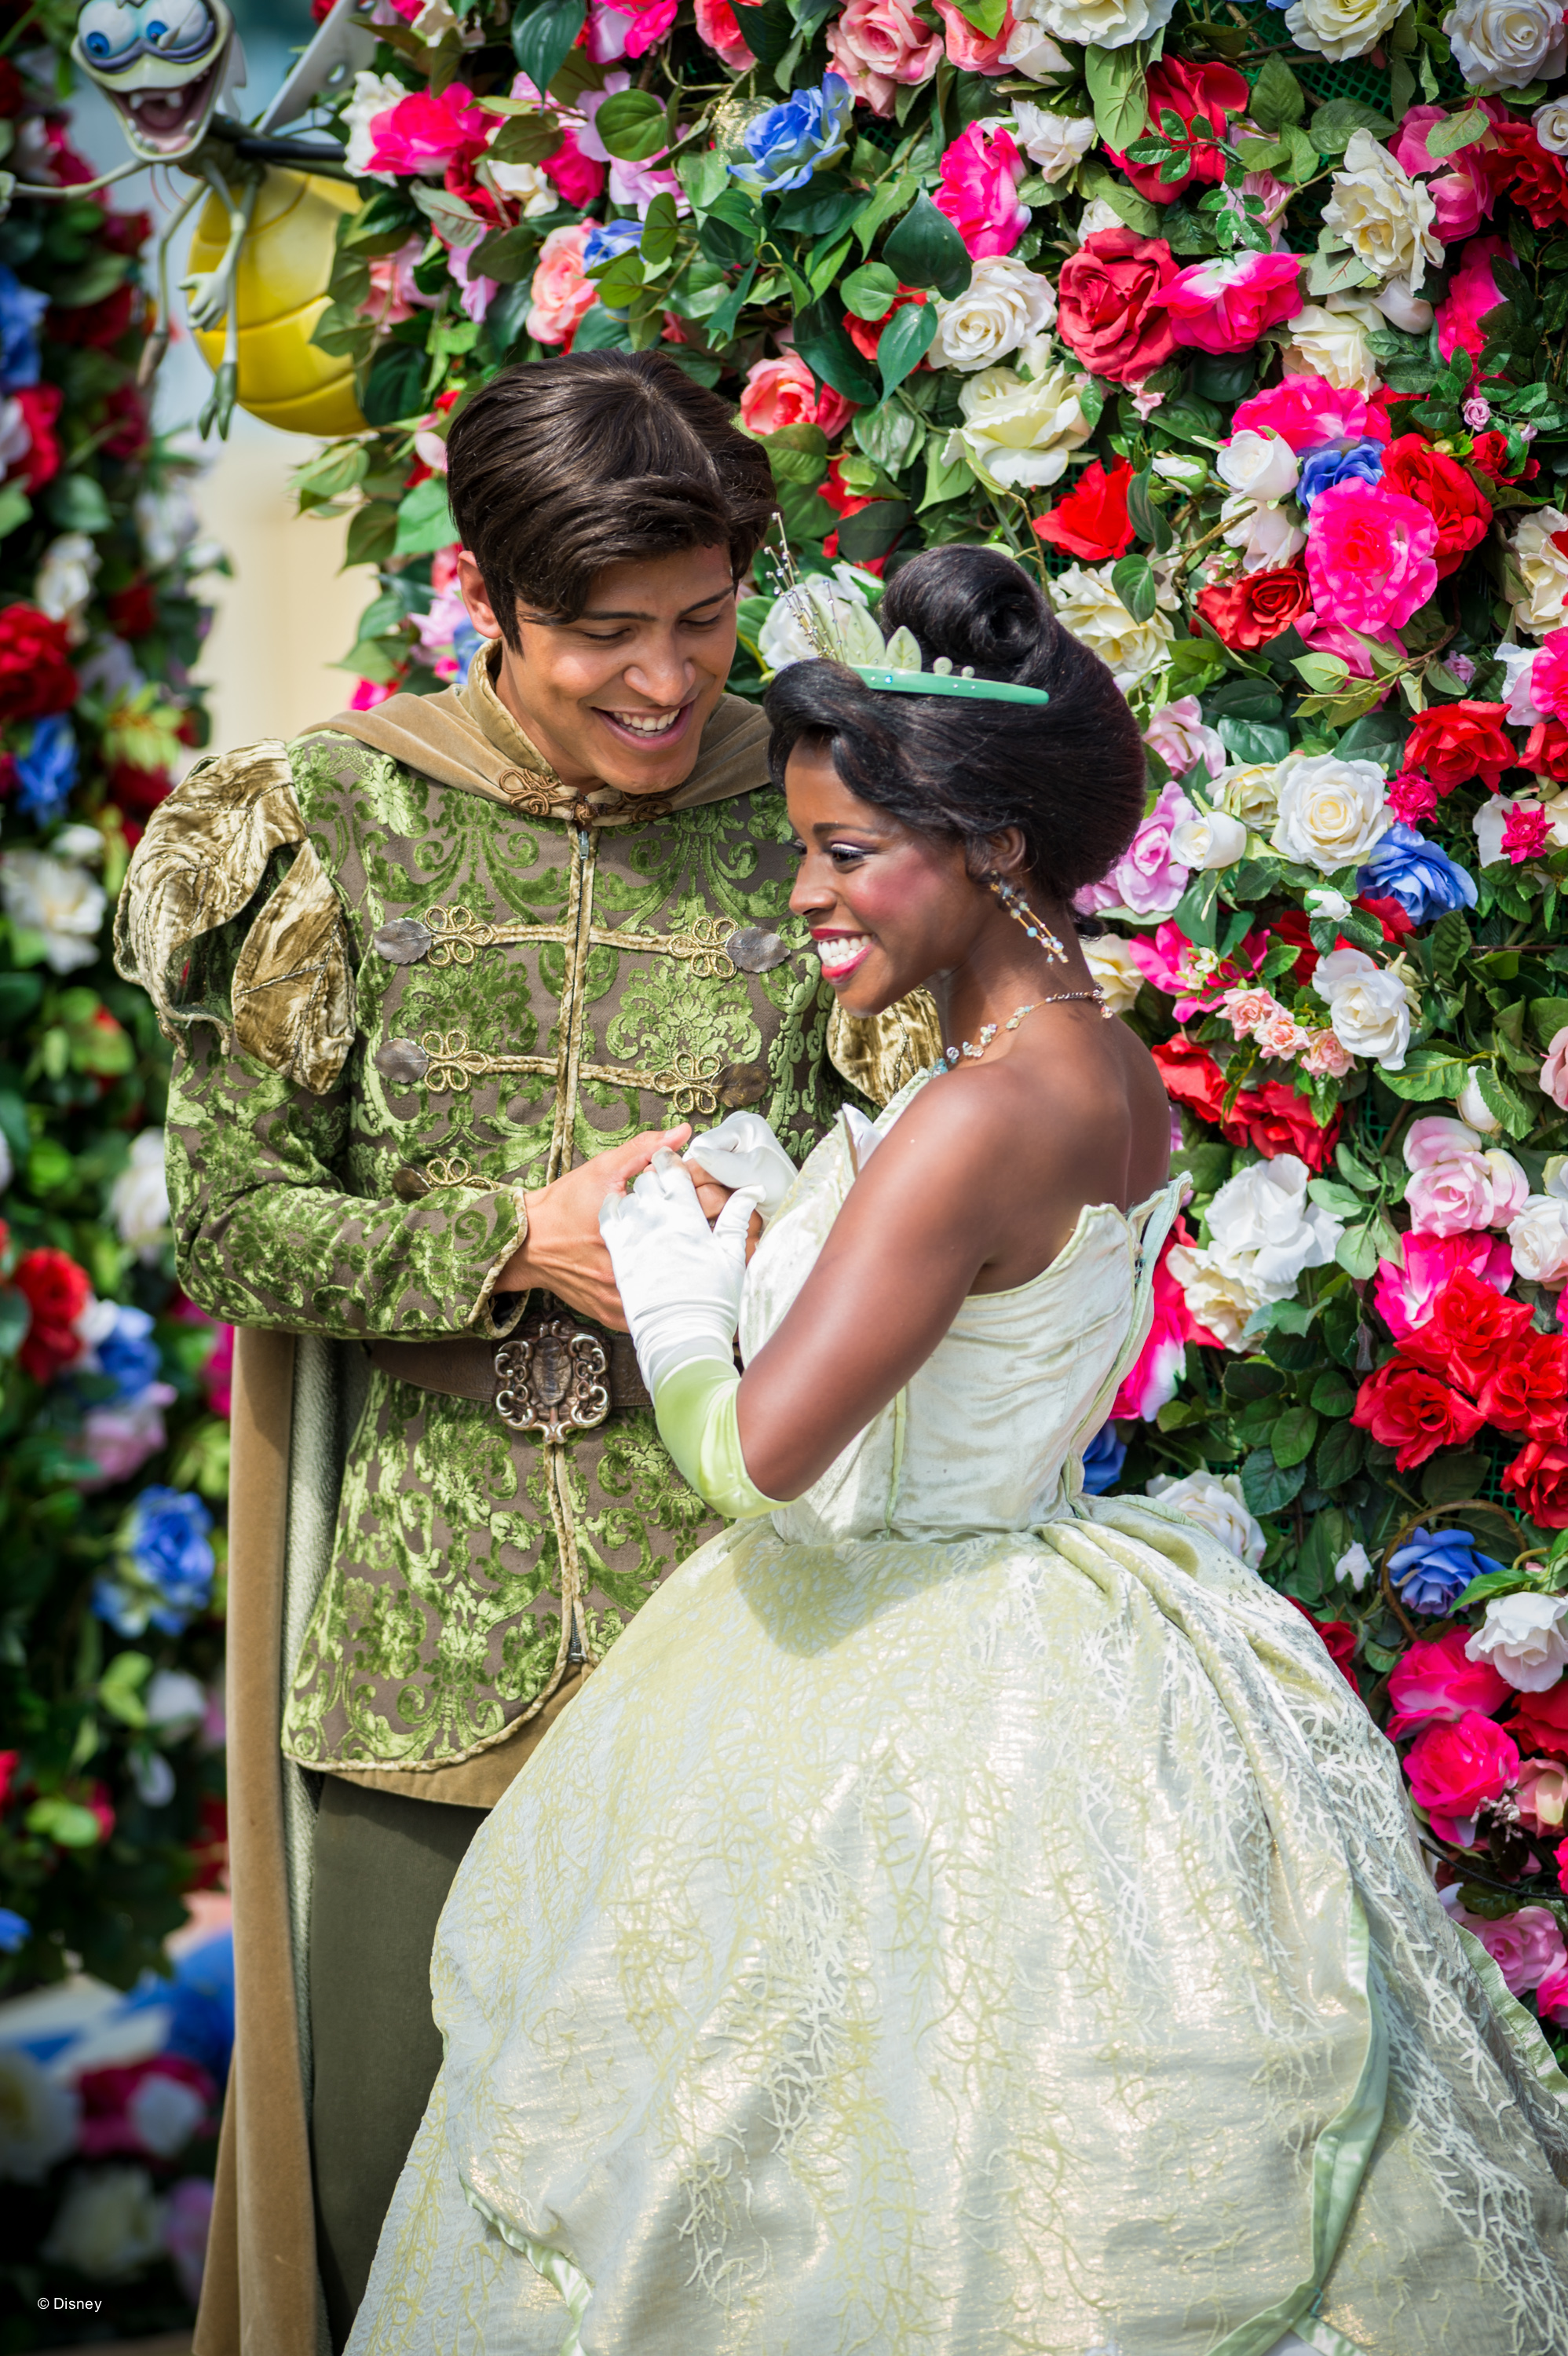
(284, 266)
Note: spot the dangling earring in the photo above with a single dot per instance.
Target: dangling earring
(1018, 908)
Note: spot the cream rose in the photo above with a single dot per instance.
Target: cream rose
(1055, 144)
(1384, 217)
(1104, 24)
(1110, 962)
(1215, 1501)
(1087, 604)
(1329, 342)
(1211, 838)
(1550, 124)
(1006, 303)
(1331, 811)
(1505, 43)
(1525, 1638)
(527, 184)
(1259, 467)
(1342, 29)
(1538, 1239)
(63, 583)
(1369, 1010)
(61, 901)
(107, 2225)
(1267, 536)
(1544, 606)
(38, 2118)
(1029, 50)
(1250, 792)
(1018, 434)
(139, 1198)
(1217, 1299)
(1263, 1228)
(1474, 1110)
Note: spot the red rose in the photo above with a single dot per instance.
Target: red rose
(1489, 453)
(134, 610)
(1092, 520)
(96, 325)
(12, 91)
(1410, 1411)
(1540, 1721)
(40, 405)
(136, 791)
(1212, 91)
(1272, 1120)
(1455, 742)
(1546, 752)
(866, 335)
(1472, 1326)
(1248, 612)
(126, 233)
(1461, 511)
(1106, 316)
(57, 1291)
(1525, 1389)
(35, 676)
(1516, 160)
(128, 438)
(1538, 1479)
(1338, 1641)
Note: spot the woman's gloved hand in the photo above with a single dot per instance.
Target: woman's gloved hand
(743, 1151)
(679, 1278)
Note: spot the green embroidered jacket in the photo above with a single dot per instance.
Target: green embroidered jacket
(397, 1004)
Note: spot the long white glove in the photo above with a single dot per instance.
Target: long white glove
(743, 1151)
(679, 1280)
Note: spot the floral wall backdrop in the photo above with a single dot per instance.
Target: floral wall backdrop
(1242, 327)
(113, 1437)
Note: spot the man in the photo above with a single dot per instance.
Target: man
(441, 974)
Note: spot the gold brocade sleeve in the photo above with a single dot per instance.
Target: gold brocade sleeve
(881, 1054)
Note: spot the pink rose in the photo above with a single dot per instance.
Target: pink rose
(560, 295)
(783, 392)
(1405, 1297)
(1435, 1683)
(1451, 1196)
(628, 29)
(1543, 1796)
(1226, 304)
(978, 191)
(393, 295)
(1525, 1947)
(1145, 878)
(1435, 1138)
(972, 52)
(1458, 183)
(422, 133)
(1554, 1071)
(1169, 960)
(1334, 638)
(1472, 292)
(1552, 1995)
(1548, 689)
(573, 170)
(1279, 1036)
(717, 24)
(1309, 413)
(1368, 555)
(1455, 1768)
(1327, 1056)
(1162, 1362)
(878, 44)
(1246, 1010)
(1178, 734)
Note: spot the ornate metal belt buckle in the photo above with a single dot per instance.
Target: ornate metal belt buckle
(553, 1375)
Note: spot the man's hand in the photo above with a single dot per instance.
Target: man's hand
(565, 1252)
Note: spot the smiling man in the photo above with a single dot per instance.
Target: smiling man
(438, 974)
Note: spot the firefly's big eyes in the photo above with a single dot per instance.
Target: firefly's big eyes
(176, 31)
(108, 31)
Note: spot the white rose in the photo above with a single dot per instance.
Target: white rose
(107, 2225)
(1550, 124)
(1518, 663)
(1355, 1564)
(373, 94)
(176, 1702)
(1537, 1238)
(1104, 24)
(1411, 312)
(527, 184)
(63, 583)
(1087, 605)
(1259, 465)
(1331, 811)
(1016, 434)
(139, 1198)
(1474, 1111)
(1323, 900)
(167, 520)
(1210, 839)
(1504, 44)
(1217, 1299)
(37, 2118)
(1057, 144)
(1384, 217)
(1111, 964)
(1263, 1228)
(434, 21)
(1031, 52)
(1215, 1501)
(1182, 467)
(1333, 344)
(1342, 29)
(45, 895)
(1369, 1011)
(1250, 792)
(1525, 1639)
(1097, 215)
(79, 842)
(1267, 536)
(1544, 606)
(1006, 303)
(818, 617)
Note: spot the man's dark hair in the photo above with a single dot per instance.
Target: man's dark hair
(1069, 775)
(558, 468)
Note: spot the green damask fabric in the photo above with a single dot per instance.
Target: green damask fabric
(527, 992)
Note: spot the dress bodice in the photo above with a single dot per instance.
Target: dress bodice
(990, 1434)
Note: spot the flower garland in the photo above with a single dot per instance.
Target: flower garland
(1242, 330)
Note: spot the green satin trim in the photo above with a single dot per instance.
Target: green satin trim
(1521, 2028)
(574, 2287)
(694, 1408)
(1339, 2164)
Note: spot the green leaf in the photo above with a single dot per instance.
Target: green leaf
(1293, 1435)
(704, 176)
(76, 503)
(660, 231)
(1331, 125)
(525, 138)
(985, 15)
(1503, 1100)
(424, 520)
(1250, 741)
(925, 249)
(1132, 578)
(1340, 1454)
(722, 323)
(1494, 1582)
(1253, 1378)
(1337, 1199)
(1119, 92)
(797, 453)
(63, 1821)
(945, 478)
(905, 343)
(1333, 1393)
(873, 532)
(506, 255)
(891, 435)
(1136, 211)
(1357, 1251)
(1428, 1072)
(1453, 1473)
(1267, 1486)
(1547, 1017)
(15, 508)
(543, 38)
(828, 353)
(119, 1688)
(632, 124)
(1459, 130)
(396, 386)
(731, 232)
(870, 290)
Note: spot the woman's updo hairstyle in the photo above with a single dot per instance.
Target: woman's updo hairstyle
(1069, 775)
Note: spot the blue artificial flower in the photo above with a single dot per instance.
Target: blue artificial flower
(1362, 462)
(164, 1574)
(607, 238)
(21, 308)
(46, 772)
(127, 1354)
(466, 642)
(1103, 1460)
(1432, 1567)
(15, 1932)
(785, 146)
(1424, 881)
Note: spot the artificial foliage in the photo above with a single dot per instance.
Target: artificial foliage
(114, 1436)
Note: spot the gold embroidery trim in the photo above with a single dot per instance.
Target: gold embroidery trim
(691, 1086)
(457, 934)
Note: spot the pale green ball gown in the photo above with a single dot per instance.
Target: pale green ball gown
(965, 1918)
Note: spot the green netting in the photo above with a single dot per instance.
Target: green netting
(1322, 78)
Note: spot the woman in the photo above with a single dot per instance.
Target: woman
(961, 1916)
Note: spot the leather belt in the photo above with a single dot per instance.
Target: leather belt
(556, 1374)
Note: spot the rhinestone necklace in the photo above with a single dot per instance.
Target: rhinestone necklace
(988, 1030)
